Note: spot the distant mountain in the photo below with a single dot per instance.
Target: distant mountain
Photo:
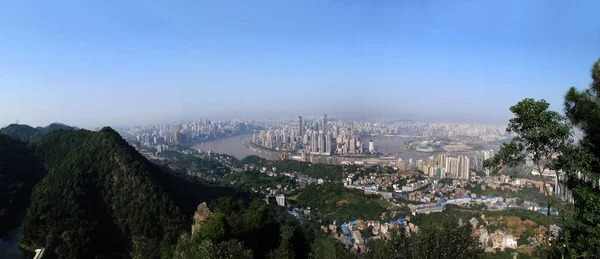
(19, 172)
(28, 133)
(100, 198)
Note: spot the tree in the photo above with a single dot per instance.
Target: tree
(541, 135)
(582, 163)
(194, 247)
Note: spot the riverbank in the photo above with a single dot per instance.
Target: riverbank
(10, 246)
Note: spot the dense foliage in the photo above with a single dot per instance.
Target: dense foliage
(317, 171)
(19, 172)
(335, 202)
(100, 197)
(234, 230)
(581, 237)
(28, 133)
(210, 169)
(254, 180)
(445, 240)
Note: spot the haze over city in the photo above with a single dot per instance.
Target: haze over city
(116, 63)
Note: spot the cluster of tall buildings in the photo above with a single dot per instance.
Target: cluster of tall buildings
(317, 136)
(186, 132)
(440, 166)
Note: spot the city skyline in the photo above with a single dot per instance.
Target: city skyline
(150, 63)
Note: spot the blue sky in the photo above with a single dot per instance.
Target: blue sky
(94, 63)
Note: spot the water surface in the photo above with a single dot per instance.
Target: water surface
(9, 246)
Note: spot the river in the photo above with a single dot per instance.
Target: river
(9, 246)
(232, 146)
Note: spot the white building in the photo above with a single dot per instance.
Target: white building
(280, 200)
(509, 241)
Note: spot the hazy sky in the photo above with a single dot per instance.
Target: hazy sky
(93, 63)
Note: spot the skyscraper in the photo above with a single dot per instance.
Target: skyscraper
(321, 143)
(324, 123)
(463, 164)
(315, 142)
(452, 167)
(301, 126)
(441, 160)
(328, 142)
(371, 146)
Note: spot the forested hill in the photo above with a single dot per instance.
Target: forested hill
(19, 172)
(28, 133)
(99, 198)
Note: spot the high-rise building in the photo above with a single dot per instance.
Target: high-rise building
(452, 167)
(401, 165)
(430, 161)
(315, 142)
(371, 146)
(321, 143)
(324, 123)
(301, 126)
(463, 164)
(437, 172)
(328, 142)
(177, 137)
(441, 160)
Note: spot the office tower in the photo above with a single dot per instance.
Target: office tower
(322, 146)
(371, 146)
(301, 126)
(463, 164)
(177, 137)
(320, 142)
(315, 142)
(324, 123)
(328, 142)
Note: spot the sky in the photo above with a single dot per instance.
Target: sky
(97, 63)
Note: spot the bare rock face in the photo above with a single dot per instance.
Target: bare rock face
(202, 212)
